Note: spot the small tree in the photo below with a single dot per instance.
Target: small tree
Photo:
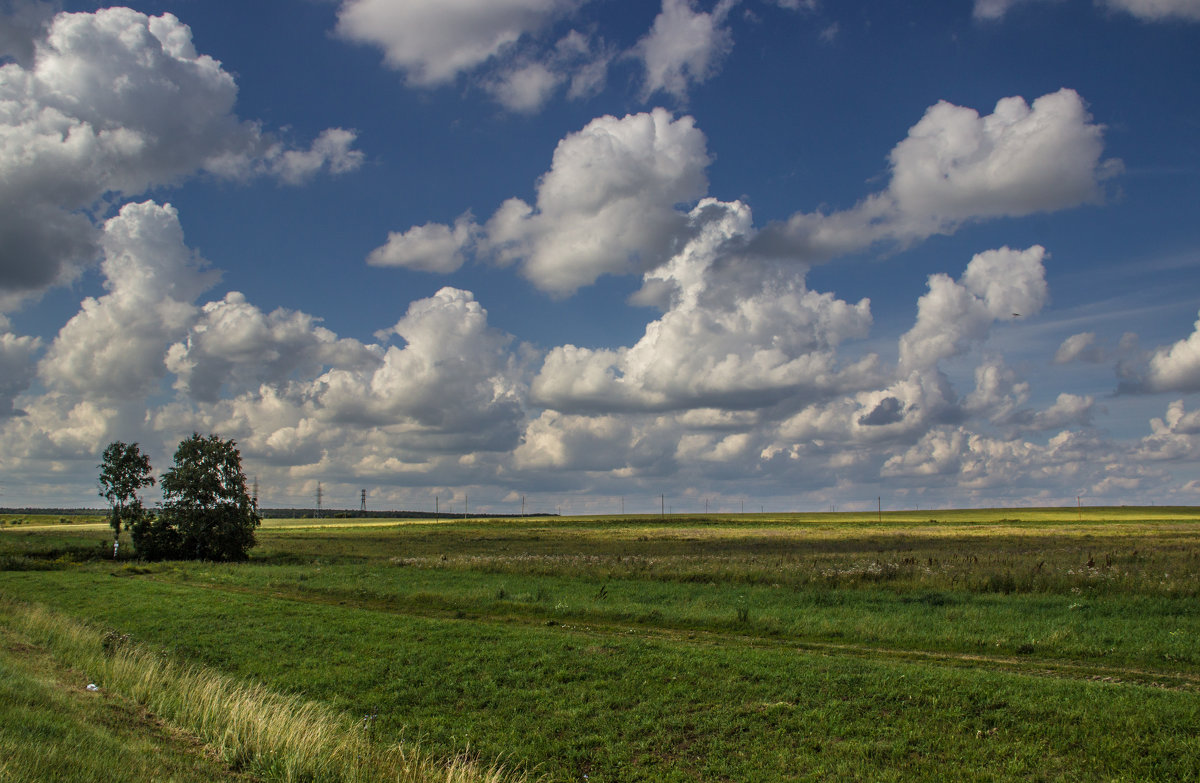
(124, 470)
(207, 513)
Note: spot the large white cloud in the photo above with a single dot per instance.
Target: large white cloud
(455, 374)
(956, 166)
(114, 347)
(1176, 367)
(556, 441)
(998, 391)
(953, 317)
(1173, 437)
(735, 335)
(1067, 464)
(998, 285)
(503, 45)
(234, 346)
(117, 102)
(299, 398)
(607, 204)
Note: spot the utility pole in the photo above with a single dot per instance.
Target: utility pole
(436, 510)
(319, 500)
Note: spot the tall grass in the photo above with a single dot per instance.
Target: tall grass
(274, 736)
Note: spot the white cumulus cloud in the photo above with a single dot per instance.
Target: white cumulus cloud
(433, 41)
(998, 285)
(433, 247)
(957, 166)
(117, 102)
(1173, 437)
(113, 348)
(607, 204)
(683, 47)
(233, 345)
(1176, 367)
(455, 375)
(740, 336)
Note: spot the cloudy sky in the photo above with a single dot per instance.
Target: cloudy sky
(759, 254)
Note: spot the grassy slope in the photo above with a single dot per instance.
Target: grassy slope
(52, 729)
(644, 650)
(660, 706)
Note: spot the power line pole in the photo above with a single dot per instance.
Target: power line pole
(319, 495)
(362, 502)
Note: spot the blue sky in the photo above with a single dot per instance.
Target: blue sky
(779, 254)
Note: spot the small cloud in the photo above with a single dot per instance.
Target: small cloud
(683, 47)
(433, 247)
(1079, 348)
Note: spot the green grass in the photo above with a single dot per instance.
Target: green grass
(245, 725)
(42, 520)
(52, 729)
(754, 648)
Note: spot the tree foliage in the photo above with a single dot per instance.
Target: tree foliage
(124, 470)
(206, 512)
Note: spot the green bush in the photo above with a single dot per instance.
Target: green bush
(206, 512)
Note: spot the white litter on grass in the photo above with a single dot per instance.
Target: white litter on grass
(93, 686)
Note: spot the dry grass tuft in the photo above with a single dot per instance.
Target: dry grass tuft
(275, 736)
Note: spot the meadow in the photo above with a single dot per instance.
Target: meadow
(1030, 644)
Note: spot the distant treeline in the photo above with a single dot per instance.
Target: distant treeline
(289, 513)
(334, 513)
(57, 512)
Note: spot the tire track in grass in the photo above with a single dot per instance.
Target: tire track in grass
(601, 627)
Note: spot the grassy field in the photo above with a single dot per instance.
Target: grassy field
(1044, 644)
